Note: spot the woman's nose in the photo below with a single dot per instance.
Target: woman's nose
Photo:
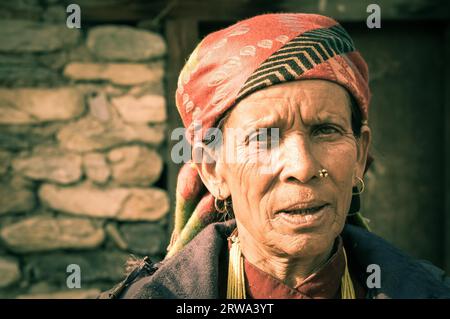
(299, 161)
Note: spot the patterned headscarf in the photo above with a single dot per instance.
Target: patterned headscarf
(248, 56)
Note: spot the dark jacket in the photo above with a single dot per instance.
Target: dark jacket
(197, 270)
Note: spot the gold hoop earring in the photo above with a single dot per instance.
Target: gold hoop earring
(363, 186)
(220, 208)
(220, 205)
(224, 208)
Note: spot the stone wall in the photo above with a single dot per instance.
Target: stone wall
(82, 133)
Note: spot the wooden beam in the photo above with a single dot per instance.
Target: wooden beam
(347, 11)
(182, 37)
(231, 10)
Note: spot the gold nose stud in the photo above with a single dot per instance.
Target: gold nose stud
(323, 172)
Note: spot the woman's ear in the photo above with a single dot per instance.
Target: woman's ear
(363, 150)
(208, 164)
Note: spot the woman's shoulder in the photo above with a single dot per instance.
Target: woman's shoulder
(140, 268)
(191, 273)
(400, 275)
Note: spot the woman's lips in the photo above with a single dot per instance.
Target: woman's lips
(310, 216)
(302, 207)
(303, 211)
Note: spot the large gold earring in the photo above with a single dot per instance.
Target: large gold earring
(220, 205)
(224, 207)
(363, 186)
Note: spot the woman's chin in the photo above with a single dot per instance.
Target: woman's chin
(305, 246)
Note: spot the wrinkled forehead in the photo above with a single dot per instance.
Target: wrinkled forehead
(308, 100)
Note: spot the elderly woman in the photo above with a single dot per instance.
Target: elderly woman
(268, 206)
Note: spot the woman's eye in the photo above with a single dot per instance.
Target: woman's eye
(325, 130)
(260, 136)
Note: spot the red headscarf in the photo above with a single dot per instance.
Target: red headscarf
(250, 55)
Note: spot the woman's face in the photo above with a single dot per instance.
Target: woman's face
(279, 199)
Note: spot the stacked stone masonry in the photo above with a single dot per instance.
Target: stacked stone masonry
(82, 131)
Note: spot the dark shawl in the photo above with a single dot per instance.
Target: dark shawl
(197, 270)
